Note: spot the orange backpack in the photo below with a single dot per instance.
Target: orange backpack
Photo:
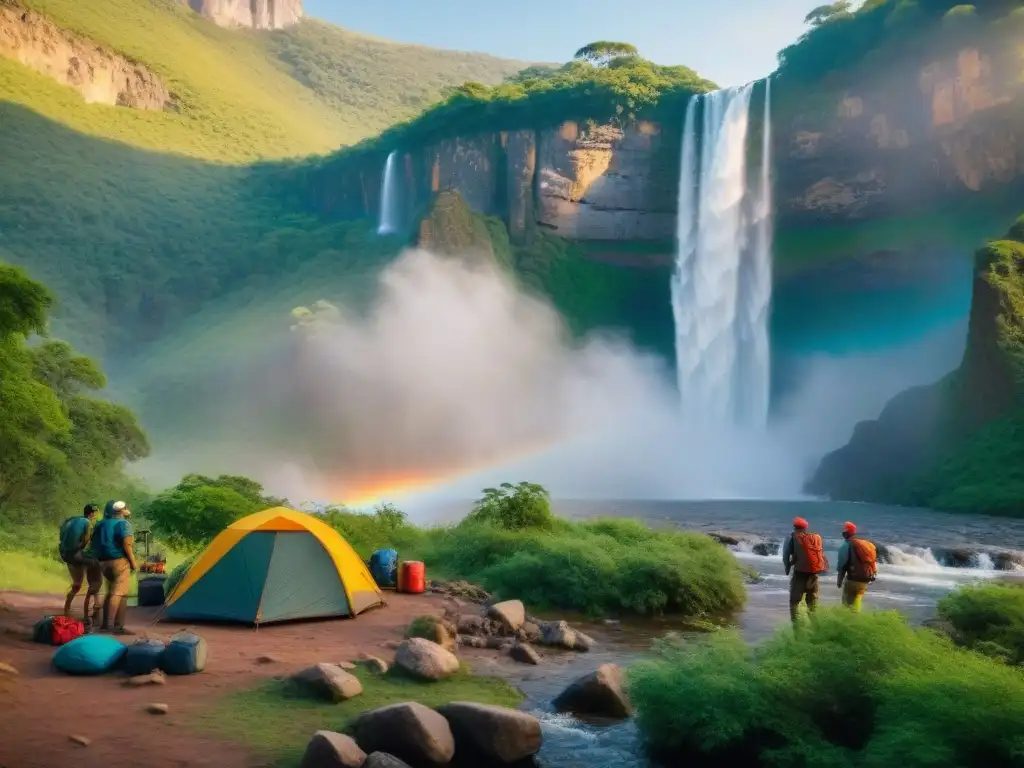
(814, 553)
(864, 563)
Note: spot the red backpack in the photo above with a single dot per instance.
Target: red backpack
(64, 630)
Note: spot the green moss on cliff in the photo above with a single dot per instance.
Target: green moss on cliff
(957, 445)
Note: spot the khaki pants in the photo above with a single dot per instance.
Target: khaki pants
(118, 575)
(802, 586)
(853, 594)
(82, 570)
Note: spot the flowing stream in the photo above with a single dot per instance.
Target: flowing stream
(927, 555)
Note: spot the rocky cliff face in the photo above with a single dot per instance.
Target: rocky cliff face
(100, 75)
(944, 128)
(253, 14)
(938, 130)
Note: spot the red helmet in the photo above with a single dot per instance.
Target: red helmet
(799, 522)
(849, 527)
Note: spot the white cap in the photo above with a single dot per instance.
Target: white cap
(120, 506)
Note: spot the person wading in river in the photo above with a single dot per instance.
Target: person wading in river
(857, 565)
(803, 553)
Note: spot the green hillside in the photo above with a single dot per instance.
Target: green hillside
(247, 95)
(136, 218)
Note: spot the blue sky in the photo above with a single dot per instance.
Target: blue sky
(728, 41)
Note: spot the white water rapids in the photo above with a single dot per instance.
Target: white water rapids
(388, 223)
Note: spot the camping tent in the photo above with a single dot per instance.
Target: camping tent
(274, 565)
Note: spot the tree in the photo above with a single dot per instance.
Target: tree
(24, 303)
(191, 513)
(514, 507)
(603, 52)
(56, 440)
(825, 13)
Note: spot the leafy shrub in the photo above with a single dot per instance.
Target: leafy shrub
(849, 690)
(386, 527)
(606, 566)
(515, 507)
(990, 618)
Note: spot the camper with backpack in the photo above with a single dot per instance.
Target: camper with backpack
(803, 553)
(857, 565)
(74, 539)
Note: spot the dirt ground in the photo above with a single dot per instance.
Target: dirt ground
(41, 709)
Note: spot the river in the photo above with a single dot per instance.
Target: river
(927, 553)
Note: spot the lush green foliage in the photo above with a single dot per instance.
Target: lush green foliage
(629, 87)
(849, 690)
(385, 527)
(989, 618)
(277, 720)
(191, 513)
(59, 443)
(599, 567)
(881, 33)
(137, 219)
(514, 507)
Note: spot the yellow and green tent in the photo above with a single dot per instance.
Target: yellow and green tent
(274, 565)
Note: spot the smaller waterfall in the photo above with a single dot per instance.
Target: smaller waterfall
(389, 197)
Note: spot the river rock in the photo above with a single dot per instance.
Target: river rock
(384, 760)
(409, 731)
(328, 749)
(435, 630)
(426, 660)
(469, 641)
(488, 734)
(584, 642)
(529, 632)
(374, 664)
(599, 693)
(7, 669)
(479, 626)
(766, 548)
(511, 614)
(558, 634)
(329, 682)
(524, 654)
(1008, 561)
(462, 590)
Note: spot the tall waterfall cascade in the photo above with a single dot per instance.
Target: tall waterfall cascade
(721, 288)
(388, 222)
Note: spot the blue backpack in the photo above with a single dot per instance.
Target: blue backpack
(89, 655)
(384, 567)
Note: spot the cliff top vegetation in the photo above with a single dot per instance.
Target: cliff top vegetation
(606, 80)
(877, 33)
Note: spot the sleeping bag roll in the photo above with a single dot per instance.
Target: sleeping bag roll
(143, 657)
(185, 654)
(89, 655)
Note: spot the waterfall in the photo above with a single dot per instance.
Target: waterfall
(721, 289)
(388, 196)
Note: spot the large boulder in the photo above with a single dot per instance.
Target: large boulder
(599, 693)
(409, 731)
(328, 749)
(426, 660)
(487, 734)
(329, 682)
(384, 760)
(511, 614)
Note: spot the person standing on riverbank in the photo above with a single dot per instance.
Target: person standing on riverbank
(857, 565)
(803, 553)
